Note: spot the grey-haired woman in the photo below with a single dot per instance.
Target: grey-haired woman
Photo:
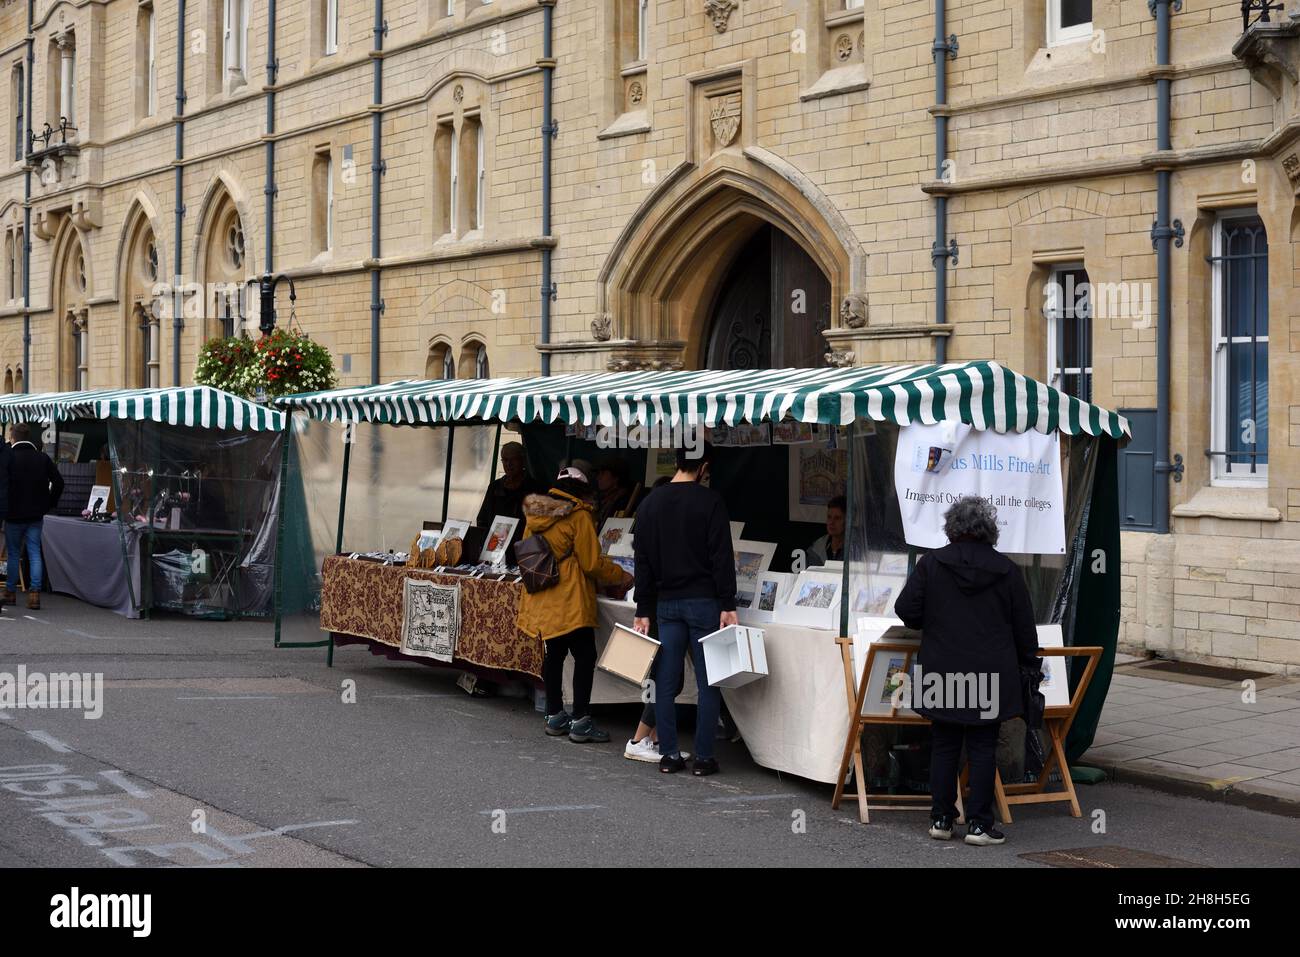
(977, 629)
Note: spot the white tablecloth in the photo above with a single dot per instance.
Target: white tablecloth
(794, 720)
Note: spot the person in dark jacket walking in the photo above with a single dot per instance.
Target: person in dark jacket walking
(686, 577)
(34, 489)
(977, 629)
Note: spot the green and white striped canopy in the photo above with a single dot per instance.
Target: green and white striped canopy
(982, 394)
(194, 406)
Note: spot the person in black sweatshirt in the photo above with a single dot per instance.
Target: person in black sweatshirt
(686, 576)
(34, 489)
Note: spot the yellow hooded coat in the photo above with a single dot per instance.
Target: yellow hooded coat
(567, 525)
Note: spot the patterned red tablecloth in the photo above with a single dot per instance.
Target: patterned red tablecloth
(365, 599)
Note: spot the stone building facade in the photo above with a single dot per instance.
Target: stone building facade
(733, 182)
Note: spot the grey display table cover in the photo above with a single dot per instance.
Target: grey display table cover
(84, 559)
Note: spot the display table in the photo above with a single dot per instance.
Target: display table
(85, 560)
(794, 720)
(364, 599)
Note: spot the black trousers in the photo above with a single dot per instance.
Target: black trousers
(946, 741)
(582, 645)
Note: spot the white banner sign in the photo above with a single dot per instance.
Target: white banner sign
(1019, 474)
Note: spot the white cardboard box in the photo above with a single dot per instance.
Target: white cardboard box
(628, 654)
(734, 656)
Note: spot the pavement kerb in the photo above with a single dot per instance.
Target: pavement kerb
(1240, 794)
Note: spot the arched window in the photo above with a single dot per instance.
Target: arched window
(473, 360)
(224, 267)
(19, 383)
(9, 381)
(440, 364)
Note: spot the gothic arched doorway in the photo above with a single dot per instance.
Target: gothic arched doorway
(771, 308)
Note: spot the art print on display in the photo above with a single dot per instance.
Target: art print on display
(430, 619)
(761, 603)
(659, 463)
(817, 475)
(498, 540)
(741, 436)
(752, 559)
(616, 537)
(98, 503)
(792, 433)
(454, 528)
(816, 595)
(69, 447)
(1054, 686)
(888, 666)
(876, 595)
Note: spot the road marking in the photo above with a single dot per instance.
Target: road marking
(41, 621)
(743, 798)
(227, 697)
(53, 743)
(536, 810)
(418, 695)
(119, 778)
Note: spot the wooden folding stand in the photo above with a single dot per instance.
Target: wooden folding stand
(858, 724)
(1056, 722)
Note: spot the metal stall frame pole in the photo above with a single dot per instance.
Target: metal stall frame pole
(178, 299)
(496, 451)
(848, 534)
(550, 129)
(113, 459)
(27, 200)
(446, 478)
(279, 530)
(378, 167)
(1163, 230)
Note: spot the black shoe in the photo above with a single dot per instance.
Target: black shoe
(941, 828)
(704, 766)
(671, 764)
(981, 836)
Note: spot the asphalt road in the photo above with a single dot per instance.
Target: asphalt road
(216, 748)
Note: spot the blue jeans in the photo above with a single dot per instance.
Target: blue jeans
(682, 623)
(16, 536)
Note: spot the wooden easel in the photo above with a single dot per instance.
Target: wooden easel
(1056, 722)
(858, 724)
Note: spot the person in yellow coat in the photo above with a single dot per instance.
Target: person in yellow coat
(564, 616)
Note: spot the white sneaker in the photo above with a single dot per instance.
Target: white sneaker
(643, 750)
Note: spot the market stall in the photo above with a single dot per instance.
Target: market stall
(170, 498)
(896, 442)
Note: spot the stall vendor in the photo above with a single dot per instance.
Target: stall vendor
(830, 547)
(613, 489)
(505, 496)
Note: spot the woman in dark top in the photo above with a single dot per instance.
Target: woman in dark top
(977, 624)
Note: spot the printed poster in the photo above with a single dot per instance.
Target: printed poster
(430, 619)
(1019, 474)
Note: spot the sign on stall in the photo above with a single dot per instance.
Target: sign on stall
(1018, 473)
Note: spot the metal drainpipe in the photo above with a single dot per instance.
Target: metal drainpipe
(178, 281)
(27, 202)
(549, 130)
(943, 48)
(1162, 231)
(269, 188)
(377, 169)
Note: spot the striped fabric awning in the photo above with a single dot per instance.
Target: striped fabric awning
(195, 406)
(983, 394)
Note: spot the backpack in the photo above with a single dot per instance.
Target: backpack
(538, 566)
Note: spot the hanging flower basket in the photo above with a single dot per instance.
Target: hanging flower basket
(281, 363)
